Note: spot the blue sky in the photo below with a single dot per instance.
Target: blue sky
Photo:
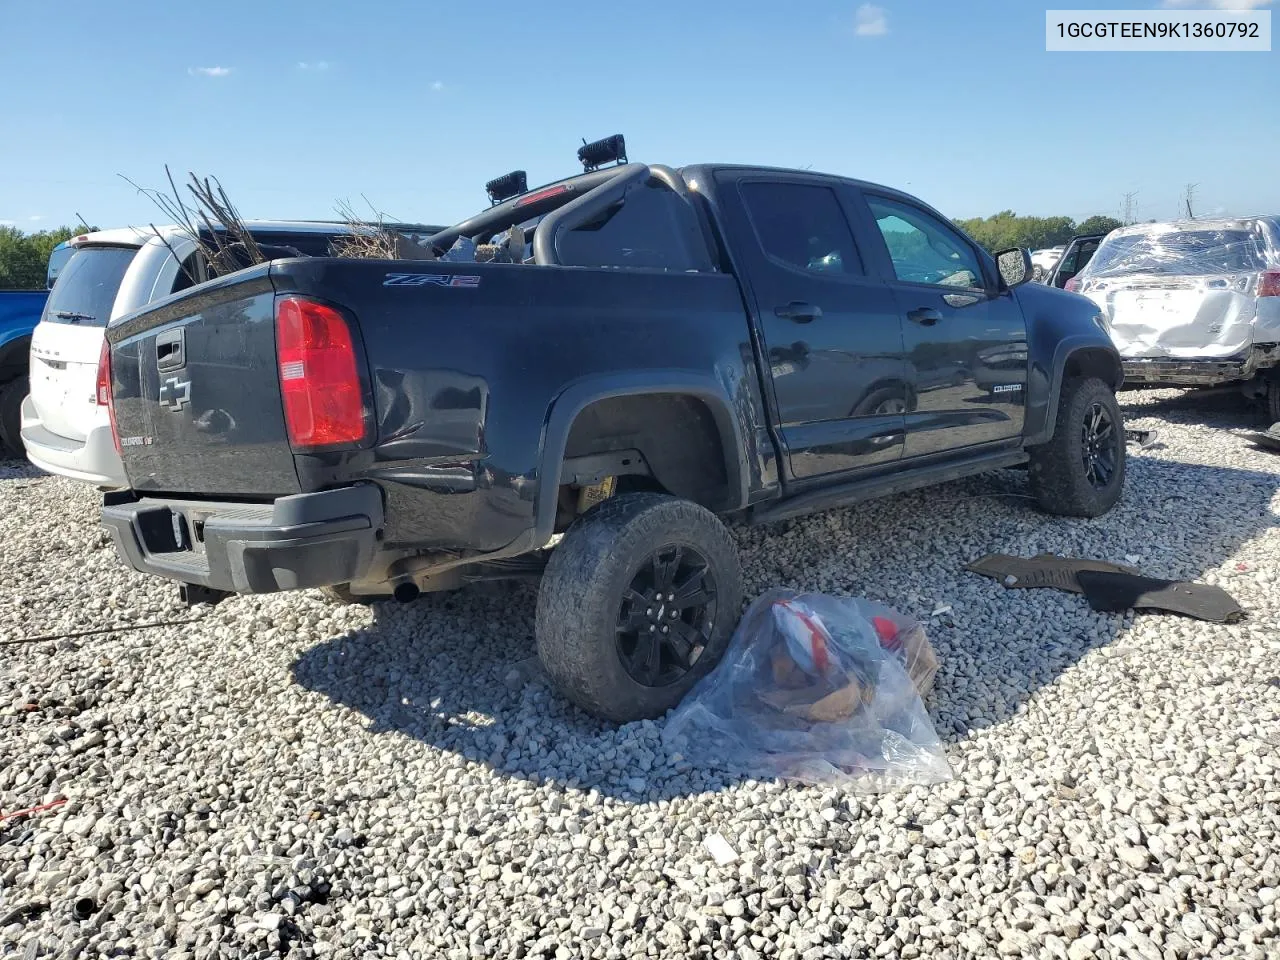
(415, 105)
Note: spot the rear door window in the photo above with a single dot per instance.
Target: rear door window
(652, 228)
(87, 286)
(801, 226)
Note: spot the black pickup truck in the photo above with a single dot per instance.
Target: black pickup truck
(643, 352)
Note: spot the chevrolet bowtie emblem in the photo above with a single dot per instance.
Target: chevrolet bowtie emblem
(175, 394)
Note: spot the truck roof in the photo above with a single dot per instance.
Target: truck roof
(136, 236)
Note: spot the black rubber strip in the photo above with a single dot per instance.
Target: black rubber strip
(1116, 592)
(1110, 587)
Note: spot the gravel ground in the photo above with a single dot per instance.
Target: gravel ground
(289, 777)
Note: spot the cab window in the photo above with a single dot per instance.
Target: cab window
(923, 248)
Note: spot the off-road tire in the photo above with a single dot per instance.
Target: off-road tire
(1058, 471)
(583, 589)
(11, 397)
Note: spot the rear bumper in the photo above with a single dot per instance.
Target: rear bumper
(91, 460)
(306, 540)
(1198, 373)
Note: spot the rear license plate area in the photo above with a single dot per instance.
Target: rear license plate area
(164, 530)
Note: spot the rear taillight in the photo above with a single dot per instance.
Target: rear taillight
(1269, 283)
(323, 399)
(104, 390)
(1073, 285)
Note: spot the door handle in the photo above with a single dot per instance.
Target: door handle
(171, 353)
(925, 316)
(798, 312)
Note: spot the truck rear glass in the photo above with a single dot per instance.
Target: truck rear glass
(87, 286)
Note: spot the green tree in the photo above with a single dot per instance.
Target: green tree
(24, 257)
(1006, 229)
(1098, 223)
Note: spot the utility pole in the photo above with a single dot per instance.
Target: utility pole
(1128, 207)
(1189, 196)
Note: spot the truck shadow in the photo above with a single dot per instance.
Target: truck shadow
(1223, 408)
(458, 671)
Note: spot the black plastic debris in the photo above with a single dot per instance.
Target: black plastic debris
(1110, 587)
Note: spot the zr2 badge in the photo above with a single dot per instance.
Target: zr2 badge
(429, 280)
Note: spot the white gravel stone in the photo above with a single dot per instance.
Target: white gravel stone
(289, 777)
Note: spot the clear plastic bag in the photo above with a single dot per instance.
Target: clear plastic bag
(817, 689)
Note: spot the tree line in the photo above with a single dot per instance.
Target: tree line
(24, 257)
(1006, 229)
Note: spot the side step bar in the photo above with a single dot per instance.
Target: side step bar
(871, 488)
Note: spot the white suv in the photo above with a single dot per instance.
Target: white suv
(112, 273)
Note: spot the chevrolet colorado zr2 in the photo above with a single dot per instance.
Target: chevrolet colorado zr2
(584, 384)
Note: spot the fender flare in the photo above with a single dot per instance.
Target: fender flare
(1062, 353)
(578, 396)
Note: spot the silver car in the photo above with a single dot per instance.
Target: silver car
(1193, 302)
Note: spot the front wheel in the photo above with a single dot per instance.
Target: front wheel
(637, 604)
(1080, 472)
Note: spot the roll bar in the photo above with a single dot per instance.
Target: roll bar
(575, 213)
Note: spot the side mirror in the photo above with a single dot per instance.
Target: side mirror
(1014, 265)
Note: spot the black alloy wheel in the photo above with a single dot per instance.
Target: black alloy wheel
(1099, 444)
(665, 616)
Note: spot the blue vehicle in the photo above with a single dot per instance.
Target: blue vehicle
(19, 313)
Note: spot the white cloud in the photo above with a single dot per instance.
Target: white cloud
(35, 217)
(1218, 4)
(209, 71)
(437, 85)
(870, 21)
(313, 65)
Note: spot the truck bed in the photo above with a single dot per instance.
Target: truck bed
(460, 369)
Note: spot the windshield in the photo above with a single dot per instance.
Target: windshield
(87, 286)
(1181, 253)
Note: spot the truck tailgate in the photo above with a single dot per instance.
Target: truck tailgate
(197, 395)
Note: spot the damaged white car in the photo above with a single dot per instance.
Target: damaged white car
(1193, 302)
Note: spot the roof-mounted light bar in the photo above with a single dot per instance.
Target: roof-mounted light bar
(609, 150)
(507, 186)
